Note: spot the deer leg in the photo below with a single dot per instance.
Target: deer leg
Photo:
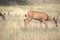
(40, 25)
(45, 24)
(26, 21)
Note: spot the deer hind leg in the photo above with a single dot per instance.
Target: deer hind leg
(26, 21)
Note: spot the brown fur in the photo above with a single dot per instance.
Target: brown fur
(37, 15)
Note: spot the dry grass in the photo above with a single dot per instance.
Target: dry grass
(12, 27)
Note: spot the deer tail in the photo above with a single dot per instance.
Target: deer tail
(25, 15)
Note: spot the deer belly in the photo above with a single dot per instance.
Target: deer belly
(36, 17)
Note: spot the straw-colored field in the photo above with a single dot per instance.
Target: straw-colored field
(12, 27)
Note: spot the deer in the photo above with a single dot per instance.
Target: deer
(39, 16)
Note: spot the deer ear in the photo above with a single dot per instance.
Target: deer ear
(25, 15)
(55, 18)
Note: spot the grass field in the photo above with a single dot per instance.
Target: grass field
(12, 27)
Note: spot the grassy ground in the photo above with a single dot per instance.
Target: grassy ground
(12, 27)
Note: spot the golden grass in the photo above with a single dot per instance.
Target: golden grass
(12, 27)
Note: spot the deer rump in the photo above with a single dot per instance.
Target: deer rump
(40, 16)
